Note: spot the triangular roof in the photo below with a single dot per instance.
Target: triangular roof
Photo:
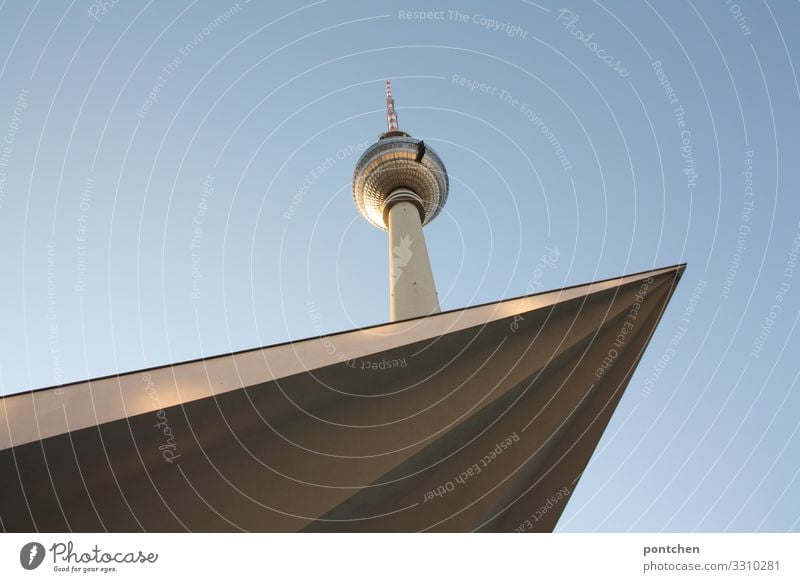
(357, 430)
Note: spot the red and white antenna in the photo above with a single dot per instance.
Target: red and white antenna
(391, 114)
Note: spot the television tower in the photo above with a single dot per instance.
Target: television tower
(400, 185)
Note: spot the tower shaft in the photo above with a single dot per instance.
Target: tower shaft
(412, 289)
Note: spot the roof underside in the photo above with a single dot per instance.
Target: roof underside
(465, 420)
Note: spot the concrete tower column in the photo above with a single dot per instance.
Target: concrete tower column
(412, 291)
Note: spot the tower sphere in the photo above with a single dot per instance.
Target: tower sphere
(398, 163)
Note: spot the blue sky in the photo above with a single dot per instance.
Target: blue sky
(175, 183)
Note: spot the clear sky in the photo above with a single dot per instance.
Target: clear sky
(175, 183)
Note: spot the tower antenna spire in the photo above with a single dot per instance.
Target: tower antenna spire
(391, 114)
